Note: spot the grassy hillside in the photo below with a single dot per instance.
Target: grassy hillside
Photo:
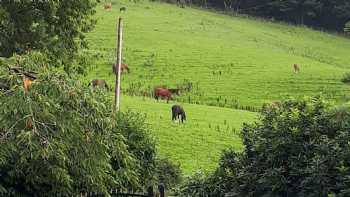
(197, 144)
(231, 61)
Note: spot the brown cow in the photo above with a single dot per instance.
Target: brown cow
(296, 68)
(162, 93)
(108, 6)
(275, 104)
(123, 68)
(26, 83)
(101, 83)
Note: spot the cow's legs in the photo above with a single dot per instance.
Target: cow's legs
(173, 116)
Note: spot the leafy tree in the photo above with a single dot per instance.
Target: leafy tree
(54, 27)
(298, 148)
(59, 138)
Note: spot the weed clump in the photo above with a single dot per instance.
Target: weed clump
(346, 78)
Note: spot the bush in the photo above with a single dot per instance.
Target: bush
(346, 78)
(299, 148)
(60, 139)
(197, 185)
(168, 173)
(140, 143)
(347, 28)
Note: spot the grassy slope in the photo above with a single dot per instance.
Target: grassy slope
(198, 143)
(254, 57)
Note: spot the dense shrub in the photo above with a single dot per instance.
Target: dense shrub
(140, 143)
(347, 28)
(168, 173)
(298, 148)
(199, 184)
(59, 138)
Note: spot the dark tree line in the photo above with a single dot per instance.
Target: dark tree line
(325, 14)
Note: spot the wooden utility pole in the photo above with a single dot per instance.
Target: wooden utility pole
(118, 64)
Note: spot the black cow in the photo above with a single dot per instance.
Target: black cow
(178, 111)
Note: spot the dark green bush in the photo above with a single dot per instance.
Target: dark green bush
(298, 148)
(168, 173)
(199, 184)
(140, 143)
(347, 28)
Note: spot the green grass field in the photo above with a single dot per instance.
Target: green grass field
(197, 144)
(232, 62)
(245, 62)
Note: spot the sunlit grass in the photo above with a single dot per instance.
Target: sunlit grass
(232, 62)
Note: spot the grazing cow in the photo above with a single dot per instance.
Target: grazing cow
(276, 104)
(26, 83)
(296, 68)
(175, 91)
(108, 6)
(101, 83)
(123, 67)
(181, 3)
(178, 111)
(162, 93)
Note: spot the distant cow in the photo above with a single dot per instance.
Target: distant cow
(177, 112)
(26, 83)
(162, 93)
(276, 104)
(296, 68)
(101, 83)
(108, 6)
(181, 3)
(123, 68)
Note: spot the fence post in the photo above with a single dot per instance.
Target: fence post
(119, 61)
(150, 192)
(161, 190)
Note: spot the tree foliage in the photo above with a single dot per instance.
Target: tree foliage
(59, 138)
(298, 148)
(54, 27)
